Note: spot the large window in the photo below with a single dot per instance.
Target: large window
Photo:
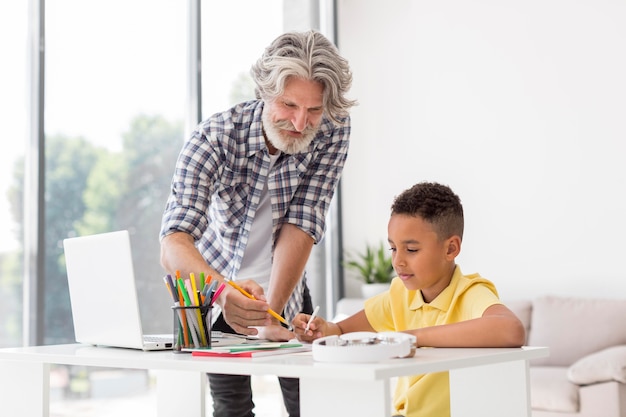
(115, 103)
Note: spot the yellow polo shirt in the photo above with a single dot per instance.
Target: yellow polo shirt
(467, 297)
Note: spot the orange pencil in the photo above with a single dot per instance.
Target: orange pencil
(184, 316)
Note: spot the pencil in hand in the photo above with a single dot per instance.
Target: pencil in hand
(252, 297)
(317, 309)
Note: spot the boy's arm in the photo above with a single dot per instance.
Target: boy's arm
(355, 323)
(498, 327)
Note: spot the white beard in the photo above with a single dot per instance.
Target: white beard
(283, 142)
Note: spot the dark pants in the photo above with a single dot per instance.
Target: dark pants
(232, 394)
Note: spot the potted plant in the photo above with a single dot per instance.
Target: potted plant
(374, 268)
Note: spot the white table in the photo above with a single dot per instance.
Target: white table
(483, 382)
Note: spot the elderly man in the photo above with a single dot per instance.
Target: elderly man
(250, 194)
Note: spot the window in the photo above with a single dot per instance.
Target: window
(115, 85)
(115, 78)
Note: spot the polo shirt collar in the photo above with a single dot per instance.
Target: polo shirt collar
(443, 300)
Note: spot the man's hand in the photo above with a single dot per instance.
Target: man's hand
(275, 333)
(242, 313)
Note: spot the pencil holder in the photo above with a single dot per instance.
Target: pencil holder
(192, 327)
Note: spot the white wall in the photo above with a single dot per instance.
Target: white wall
(519, 106)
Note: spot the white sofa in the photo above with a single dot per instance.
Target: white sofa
(585, 374)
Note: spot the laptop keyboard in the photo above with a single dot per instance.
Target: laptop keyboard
(155, 338)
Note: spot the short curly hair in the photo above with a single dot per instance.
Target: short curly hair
(310, 56)
(435, 203)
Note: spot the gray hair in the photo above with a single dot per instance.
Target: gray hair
(310, 56)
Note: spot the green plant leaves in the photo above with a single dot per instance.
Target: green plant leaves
(374, 265)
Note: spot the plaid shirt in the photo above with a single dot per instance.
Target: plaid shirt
(220, 174)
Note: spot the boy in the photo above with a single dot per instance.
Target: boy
(430, 298)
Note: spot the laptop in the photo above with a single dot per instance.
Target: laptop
(103, 294)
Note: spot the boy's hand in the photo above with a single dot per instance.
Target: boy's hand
(318, 327)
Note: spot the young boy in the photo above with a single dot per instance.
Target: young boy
(430, 298)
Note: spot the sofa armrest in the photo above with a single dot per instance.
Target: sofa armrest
(605, 365)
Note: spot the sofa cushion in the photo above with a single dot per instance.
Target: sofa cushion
(605, 365)
(575, 327)
(550, 390)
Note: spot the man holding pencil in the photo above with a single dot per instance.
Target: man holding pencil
(250, 194)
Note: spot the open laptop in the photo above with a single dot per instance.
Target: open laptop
(103, 294)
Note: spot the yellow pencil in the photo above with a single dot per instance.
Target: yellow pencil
(194, 289)
(250, 296)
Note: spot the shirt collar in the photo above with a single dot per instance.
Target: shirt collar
(256, 140)
(443, 300)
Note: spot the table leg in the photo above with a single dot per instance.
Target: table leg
(329, 397)
(25, 388)
(491, 390)
(180, 393)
